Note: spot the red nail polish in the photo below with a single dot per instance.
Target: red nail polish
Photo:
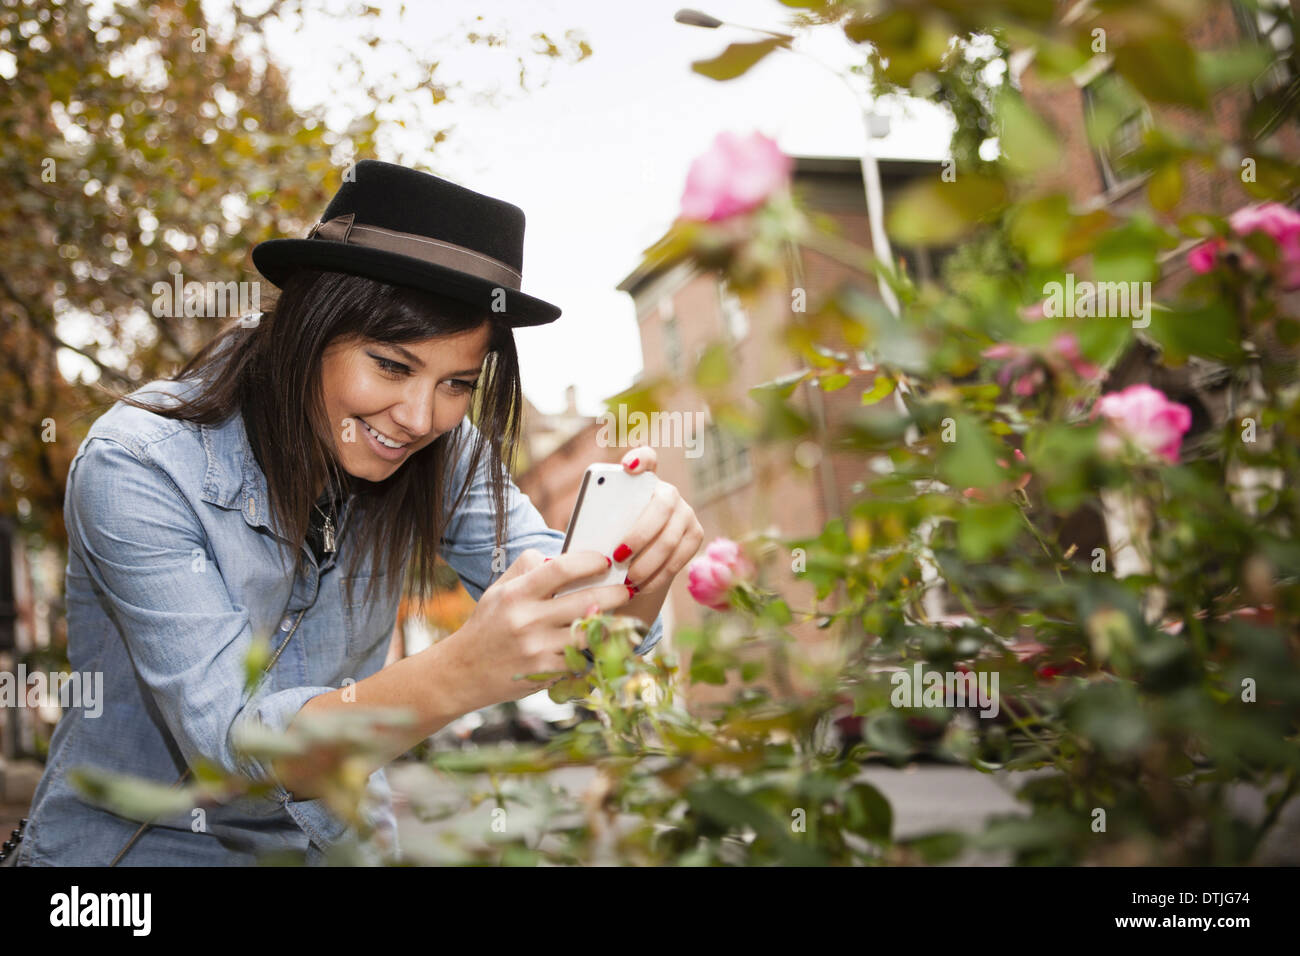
(621, 552)
(633, 463)
(608, 562)
(547, 559)
(631, 591)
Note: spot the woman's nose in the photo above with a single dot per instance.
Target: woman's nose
(417, 420)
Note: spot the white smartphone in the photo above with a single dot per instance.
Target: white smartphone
(609, 503)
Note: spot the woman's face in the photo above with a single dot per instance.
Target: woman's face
(409, 393)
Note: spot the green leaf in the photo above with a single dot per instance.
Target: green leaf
(887, 732)
(1128, 253)
(783, 386)
(574, 659)
(970, 460)
(736, 59)
(544, 676)
(1111, 716)
(1041, 227)
(1027, 143)
(131, 797)
(777, 611)
(1229, 66)
(643, 398)
(938, 847)
(984, 529)
(1165, 187)
(1162, 67)
(570, 688)
(881, 388)
(779, 422)
(933, 212)
(717, 802)
(706, 668)
(868, 813)
(834, 382)
(714, 366)
(1059, 454)
(520, 856)
(1210, 332)
(255, 661)
(910, 40)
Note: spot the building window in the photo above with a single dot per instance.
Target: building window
(672, 346)
(1268, 23)
(723, 464)
(734, 320)
(922, 264)
(1116, 119)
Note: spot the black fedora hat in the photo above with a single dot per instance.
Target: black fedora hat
(414, 229)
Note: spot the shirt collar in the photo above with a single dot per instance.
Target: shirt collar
(233, 478)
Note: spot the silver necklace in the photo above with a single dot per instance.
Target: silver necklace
(328, 533)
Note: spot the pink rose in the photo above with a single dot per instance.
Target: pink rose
(713, 573)
(736, 175)
(1282, 224)
(1202, 257)
(1026, 385)
(1145, 417)
(1035, 312)
(1023, 369)
(1067, 347)
(1003, 350)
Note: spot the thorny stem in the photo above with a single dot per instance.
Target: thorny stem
(1022, 724)
(1033, 529)
(1271, 817)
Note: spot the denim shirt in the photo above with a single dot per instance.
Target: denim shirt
(173, 570)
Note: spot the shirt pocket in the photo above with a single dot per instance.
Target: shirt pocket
(369, 622)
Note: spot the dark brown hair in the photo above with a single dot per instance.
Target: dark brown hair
(271, 373)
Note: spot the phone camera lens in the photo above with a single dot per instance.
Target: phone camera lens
(600, 481)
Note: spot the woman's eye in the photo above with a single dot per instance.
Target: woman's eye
(389, 366)
(398, 370)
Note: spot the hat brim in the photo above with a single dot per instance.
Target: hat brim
(276, 259)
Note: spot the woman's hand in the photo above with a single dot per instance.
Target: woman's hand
(518, 628)
(662, 542)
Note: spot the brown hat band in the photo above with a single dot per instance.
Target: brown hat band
(434, 251)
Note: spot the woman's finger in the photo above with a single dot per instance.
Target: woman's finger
(640, 459)
(645, 567)
(686, 547)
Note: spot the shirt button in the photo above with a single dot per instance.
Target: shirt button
(252, 507)
(286, 624)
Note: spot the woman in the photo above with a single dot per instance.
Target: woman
(277, 487)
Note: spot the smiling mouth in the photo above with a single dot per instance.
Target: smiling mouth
(380, 436)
